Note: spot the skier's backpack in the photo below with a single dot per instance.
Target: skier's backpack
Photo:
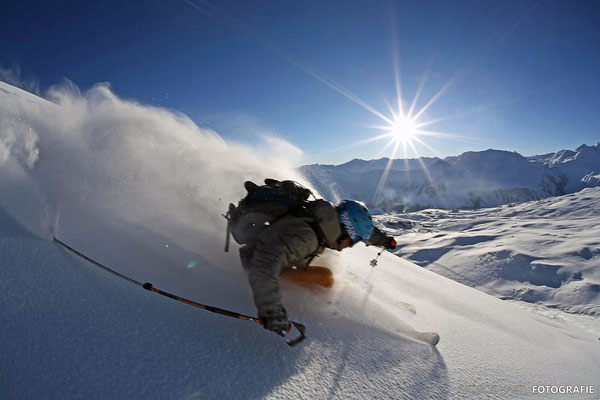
(262, 206)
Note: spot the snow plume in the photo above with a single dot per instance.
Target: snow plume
(13, 76)
(108, 164)
(18, 140)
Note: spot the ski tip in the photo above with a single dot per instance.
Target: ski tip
(430, 338)
(434, 339)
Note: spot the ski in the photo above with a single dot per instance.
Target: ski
(311, 277)
(430, 338)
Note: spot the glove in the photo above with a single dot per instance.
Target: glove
(390, 243)
(380, 239)
(276, 321)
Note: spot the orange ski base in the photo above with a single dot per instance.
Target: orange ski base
(309, 277)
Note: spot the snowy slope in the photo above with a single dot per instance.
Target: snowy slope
(140, 189)
(74, 331)
(545, 251)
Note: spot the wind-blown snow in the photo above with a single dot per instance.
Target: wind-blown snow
(140, 189)
(92, 165)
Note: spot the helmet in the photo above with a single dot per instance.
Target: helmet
(356, 218)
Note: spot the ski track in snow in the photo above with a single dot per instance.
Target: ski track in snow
(71, 330)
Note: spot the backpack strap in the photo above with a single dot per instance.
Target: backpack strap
(320, 238)
(315, 227)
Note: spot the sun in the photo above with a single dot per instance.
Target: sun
(403, 129)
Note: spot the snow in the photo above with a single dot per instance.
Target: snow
(473, 179)
(72, 330)
(544, 252)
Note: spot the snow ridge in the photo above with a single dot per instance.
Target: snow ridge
(471, 180)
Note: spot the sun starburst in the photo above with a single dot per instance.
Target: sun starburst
(403, 129)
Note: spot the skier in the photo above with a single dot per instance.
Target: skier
(293, 241)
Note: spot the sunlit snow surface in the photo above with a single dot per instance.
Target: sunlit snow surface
(545, 251)
(71, 330)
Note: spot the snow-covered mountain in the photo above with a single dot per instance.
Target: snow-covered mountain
(141, 189)
(545, 252)
(358, 165)
(470, 180)
(335, 182)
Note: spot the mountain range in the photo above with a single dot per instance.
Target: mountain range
(471, 180)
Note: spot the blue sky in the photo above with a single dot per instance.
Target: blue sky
(512, 75)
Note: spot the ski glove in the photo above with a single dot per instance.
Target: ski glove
(379, 238)
(280, 326)
(276, 322)
(390, 243)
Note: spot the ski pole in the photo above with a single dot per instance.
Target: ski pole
(148, 286)
(301, 328)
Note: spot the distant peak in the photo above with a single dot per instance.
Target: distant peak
(476, 155)
(585, 147)
(355, 161)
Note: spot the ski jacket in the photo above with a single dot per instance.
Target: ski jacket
(291, 241)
